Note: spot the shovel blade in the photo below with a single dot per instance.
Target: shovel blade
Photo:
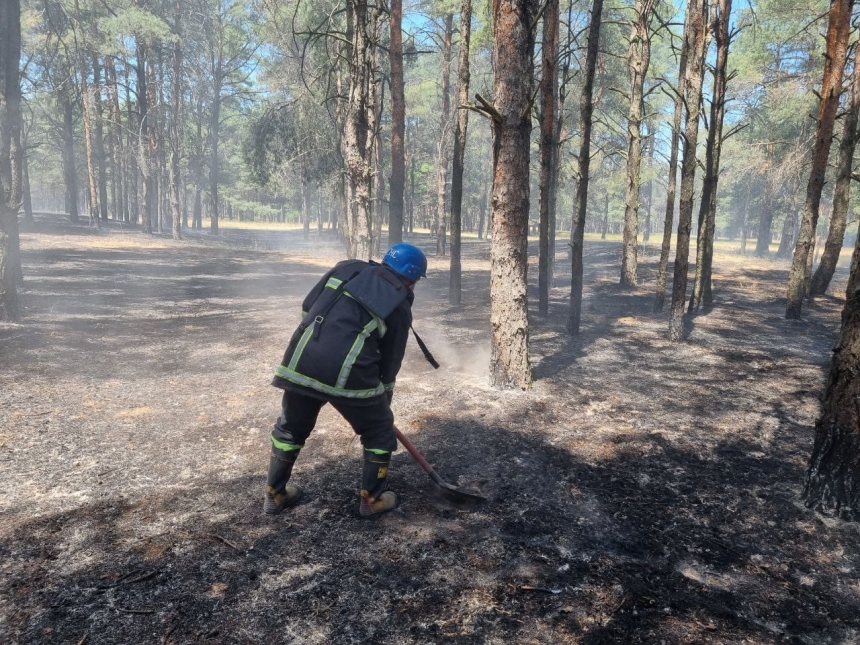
(455, 496)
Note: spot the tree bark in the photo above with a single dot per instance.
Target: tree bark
(176, 124)
(649, 189)
(454, 285)
(833, 479)
(548, 147)
(398, 125)
(70, 174)
(786, 240)
(671, 187)
(444, 137)
(356, 140)
(842, 189)
(513, 46)
(10, 156)
(838, 29)
(88, 116)
(98, 142)
(638, 61)
(702, 292)
(577, 233)
(695, 35)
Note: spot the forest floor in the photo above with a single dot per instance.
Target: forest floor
(641, 492)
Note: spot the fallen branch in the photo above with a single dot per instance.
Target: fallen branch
(541, 589)
(225, 541)
(145, 576)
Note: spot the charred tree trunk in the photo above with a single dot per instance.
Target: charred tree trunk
(695, 35)
(398, 125)
(577, 233)
(838, 28)
(833, 478)
(841, 191)
(454, 286)
(638, 60)
(512, 51)
(672, 182)
(444, 137)
(702, 292)
(548, 148)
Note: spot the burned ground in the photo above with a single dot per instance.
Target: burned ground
(643, 492)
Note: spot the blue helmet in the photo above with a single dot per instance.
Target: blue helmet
(406, 260)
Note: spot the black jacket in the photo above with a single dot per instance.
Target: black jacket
(353, 334)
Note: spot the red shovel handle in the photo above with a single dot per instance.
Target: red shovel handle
(413, 451)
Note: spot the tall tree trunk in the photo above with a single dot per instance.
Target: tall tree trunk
(786, 240)
(214, 136)
(25, 171)
(708, 208)
(412, 194)
(356, 137)
(398, 125)
(144, 160)
(838, 28)
(695, 34)
(638, 60)
(375, 101)
(306, 208)
(548, 147)
(176, 124)
(117, 155)
(649, 187)
(10, 157)
(70, 174)
(509, 326)
(605, 228)
(454, 286)
(744, 217)
(671, 186)
(98, 142)
(580, 205)
(444, 137)
(88, 117)
(833, 478)
(765, 222)
(841, 191)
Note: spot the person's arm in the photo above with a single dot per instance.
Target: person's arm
(392, 346)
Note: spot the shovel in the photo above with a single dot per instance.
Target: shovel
(446, 491)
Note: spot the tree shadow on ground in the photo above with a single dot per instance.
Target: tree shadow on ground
(650, 542)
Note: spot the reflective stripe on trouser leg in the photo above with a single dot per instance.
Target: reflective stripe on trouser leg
(298, 418)
(374, 474)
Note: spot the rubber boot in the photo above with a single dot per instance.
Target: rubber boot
(279, 495)
(375, 500)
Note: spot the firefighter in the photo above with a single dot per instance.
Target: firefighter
(347, 352)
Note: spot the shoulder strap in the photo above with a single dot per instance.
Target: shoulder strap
(424, 349)
(338, 292)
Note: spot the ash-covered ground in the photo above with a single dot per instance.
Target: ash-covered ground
(642, 492)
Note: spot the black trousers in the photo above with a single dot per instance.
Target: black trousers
(372, 422)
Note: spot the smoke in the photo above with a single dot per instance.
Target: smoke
(461, 351)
